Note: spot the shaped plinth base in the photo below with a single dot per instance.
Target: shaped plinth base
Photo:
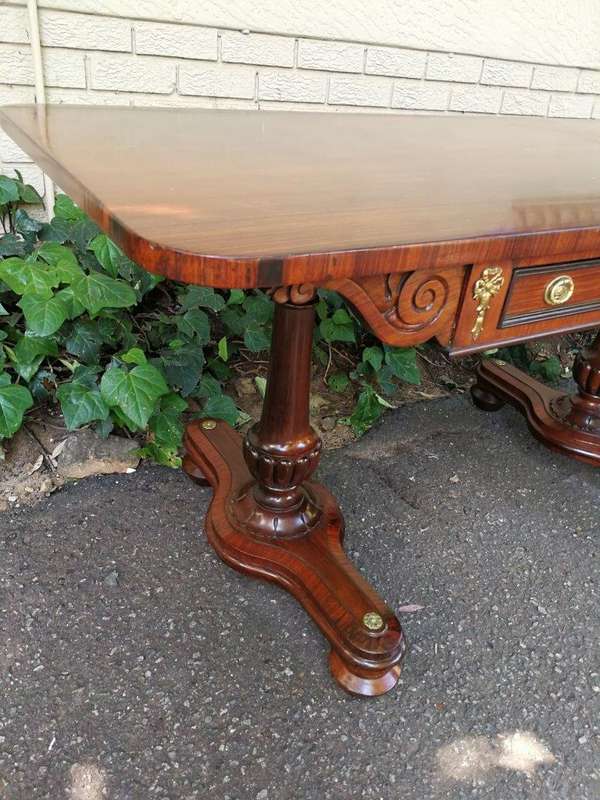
(366, 639)
(566, 423)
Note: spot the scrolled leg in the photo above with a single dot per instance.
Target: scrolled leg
(568, 423)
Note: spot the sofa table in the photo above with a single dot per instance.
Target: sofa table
(476, 231)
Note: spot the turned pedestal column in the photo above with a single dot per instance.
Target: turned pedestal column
(269, 519)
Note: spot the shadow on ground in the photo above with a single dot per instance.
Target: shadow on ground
(134, 665)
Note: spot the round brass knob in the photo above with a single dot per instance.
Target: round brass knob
(373, 621)
(559, 290)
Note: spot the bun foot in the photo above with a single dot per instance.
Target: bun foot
(485, 400)
(367, 683)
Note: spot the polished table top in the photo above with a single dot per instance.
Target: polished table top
(245, 186)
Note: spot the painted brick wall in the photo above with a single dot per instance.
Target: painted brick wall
(107, 57)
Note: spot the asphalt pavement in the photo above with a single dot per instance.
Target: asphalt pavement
(134, 665)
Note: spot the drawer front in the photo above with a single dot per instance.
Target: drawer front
(551, 292)
(508, 302)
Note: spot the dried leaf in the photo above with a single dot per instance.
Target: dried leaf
(58, 449)
(37, 464)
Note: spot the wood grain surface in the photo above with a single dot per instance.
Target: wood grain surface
(242, 198)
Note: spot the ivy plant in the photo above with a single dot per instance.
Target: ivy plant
(115, 347)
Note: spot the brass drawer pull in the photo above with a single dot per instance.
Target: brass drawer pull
(559, 290)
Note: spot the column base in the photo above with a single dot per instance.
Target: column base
(367, 643)
(554, 417)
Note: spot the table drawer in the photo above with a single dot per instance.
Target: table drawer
(549, 292)
(506, 302)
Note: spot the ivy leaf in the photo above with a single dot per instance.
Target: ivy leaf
(84, 341)
(29, 353)
(195, 324)
(98, 291)
(403, 363)
(28, 194)
(84, 230)
(104, 427)
(183, 367)
(208, 387)
(107, 253)
(373, 356)
(222, 349)
(24, 276)
(14, 402)
(71, 303)
(141, 280)
(384, 379)
(338, 382)
(322, 310)
(65, 208)
(11, 245)
(331, 331)
(236, 297)
(81, 404)
(258, 308)
(28, 347)
(166, 423)
(87, 374)
(26, 224)
(342, 317)
(367, 411)
(233, 321)
(165, 456)
(59, 231)
(122, 420)
(201, 296)
(135, 393)
(54, 252)
(255, 338)
(44, 316)
(548, 369)
(221, 407)
(67, 272)
(9, 191)
(134, 356)
(219, 369)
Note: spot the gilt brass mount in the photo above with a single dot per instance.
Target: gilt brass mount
(486, 288)
(373, 621)
(559, 290)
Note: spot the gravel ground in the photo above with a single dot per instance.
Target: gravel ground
(135, 666)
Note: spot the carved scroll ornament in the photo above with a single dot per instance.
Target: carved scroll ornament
(299, 294)
(406, 308)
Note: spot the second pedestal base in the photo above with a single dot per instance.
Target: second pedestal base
(366, 638)
(551, 415)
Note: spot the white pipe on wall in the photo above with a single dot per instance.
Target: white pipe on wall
(40, 88)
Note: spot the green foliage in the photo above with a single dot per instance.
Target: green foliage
(84, 327)
(14, 402)
(532, 359)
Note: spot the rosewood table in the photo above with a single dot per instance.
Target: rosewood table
(475, 231)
